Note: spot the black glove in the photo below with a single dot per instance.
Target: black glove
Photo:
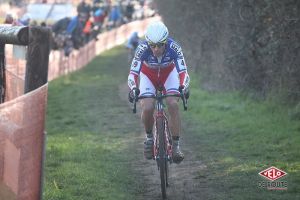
(132, 94)
(186, 91)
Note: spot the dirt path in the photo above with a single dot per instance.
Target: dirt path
(184, 184)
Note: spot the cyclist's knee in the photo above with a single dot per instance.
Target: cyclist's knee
(173, 105)
(148, 108)
(147, 105)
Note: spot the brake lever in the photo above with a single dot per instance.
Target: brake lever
(134, 105)
(135, 99)
(184, 100)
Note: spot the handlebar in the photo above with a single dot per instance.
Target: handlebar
(181, 95)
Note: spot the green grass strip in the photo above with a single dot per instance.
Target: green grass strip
(237, 137)
(89, 128)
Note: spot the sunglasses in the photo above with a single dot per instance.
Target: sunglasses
(159, 45)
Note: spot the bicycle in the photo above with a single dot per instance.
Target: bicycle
(162, 148)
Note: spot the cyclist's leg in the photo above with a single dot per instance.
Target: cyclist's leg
(147, 104)
(171, 86)
(147, 113)
(174, 117)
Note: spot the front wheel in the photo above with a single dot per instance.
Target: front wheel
(163, 162)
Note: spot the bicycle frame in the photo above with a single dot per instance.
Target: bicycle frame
(160, 113)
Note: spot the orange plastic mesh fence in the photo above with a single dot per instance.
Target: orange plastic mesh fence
(22, 122)
(15, 74)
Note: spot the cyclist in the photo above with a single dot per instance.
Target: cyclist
(132, 44)
(159, 62)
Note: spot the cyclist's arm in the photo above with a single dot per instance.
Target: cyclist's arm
(181, 67)
(184, 79)
(132, 80)
(136, 66)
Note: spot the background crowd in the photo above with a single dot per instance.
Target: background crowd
(91, 18)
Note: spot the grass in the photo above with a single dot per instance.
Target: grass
(237, 138)
(88, 143)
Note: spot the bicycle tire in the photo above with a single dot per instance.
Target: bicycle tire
(160, 125)
(167, 159)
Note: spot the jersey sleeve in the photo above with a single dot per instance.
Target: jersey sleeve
(136, 66)
(184, 78)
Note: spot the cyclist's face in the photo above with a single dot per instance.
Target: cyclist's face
(158, 49)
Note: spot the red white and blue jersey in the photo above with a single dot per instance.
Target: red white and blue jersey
(158, 68)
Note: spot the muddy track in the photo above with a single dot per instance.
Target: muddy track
(184, 184)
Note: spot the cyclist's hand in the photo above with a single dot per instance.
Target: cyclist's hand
(132, 94)
(181, 88)
(185, 91)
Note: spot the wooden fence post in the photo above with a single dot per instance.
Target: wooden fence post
(2, 72)
(37, 58)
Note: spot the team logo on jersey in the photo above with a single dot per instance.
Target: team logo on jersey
(140, 50)
(131, 83)
(134, 65)
(176, 48)
(181, 64)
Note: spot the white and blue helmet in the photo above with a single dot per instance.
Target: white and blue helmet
(156, 32)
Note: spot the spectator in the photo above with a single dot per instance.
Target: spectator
(43, 24)
(99, 17)
(25, 20)
(59, 33)
(74, 33)
(133, 40)
(114, 16)
(132, 44)
(9, 19)
(129, 11)
(84, 7)
(87, 30)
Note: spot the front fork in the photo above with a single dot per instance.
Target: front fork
(168, 141)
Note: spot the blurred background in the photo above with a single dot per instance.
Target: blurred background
(75, 23)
